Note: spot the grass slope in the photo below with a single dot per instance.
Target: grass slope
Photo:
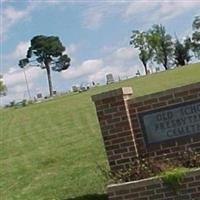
(50, 151)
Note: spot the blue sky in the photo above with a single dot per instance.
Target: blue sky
(96, 35)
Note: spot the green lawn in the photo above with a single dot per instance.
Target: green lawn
(51, 150)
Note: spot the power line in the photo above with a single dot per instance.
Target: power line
(28, 90)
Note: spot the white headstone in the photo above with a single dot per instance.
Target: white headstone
(54, 92)
(157, 69)
(39, 95)
(148, 71)
(109, 78)
(74, 88)
(137, 73)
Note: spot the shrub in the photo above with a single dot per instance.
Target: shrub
(174, 177)
(145, 167)
(190, 159)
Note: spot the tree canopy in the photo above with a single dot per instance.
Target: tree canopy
(2, 87)
(48, 54)
(196, 36)
(140, 40)
(156, 45)
(162, 44)
(182, 52)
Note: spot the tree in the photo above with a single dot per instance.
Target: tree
(162, 44)
(196, 23)
(48, 51)
(182, 52)
(196, 36)
(2, 87)
(140, 41)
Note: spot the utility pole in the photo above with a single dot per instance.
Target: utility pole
(28, 90)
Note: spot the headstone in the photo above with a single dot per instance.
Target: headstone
(109, 79)
(74, 88)
(54, 92)
(39, 95)
(157, 69)
(83, 88)
(137, 73)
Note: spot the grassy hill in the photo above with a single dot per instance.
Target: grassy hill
(51, 150)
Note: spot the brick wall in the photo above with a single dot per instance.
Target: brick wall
(155, 189)
(118, 115)
(114, 119)
(159, 100)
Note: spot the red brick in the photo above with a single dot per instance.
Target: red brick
(174, 101)
(150, 101)
(144, 108)
(120, 125)
(160, 104)
(166, 97)
(195, 90)
(181, 94)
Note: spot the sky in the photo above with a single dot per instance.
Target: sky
(95, 33)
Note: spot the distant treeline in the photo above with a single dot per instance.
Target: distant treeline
(156, 45)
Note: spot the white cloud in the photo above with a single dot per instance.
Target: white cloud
(124, 53)
(16, 85)
(53, 2)
(117, 71)
(71, 49)
(158, 11)
(20, 50)
(21, 88)
(97, 12)
(17, 93)
(14, 77)
(93, 19)
(119, 63)
(85, 69)
(171, 9)
(12, 70)
(4, 1)
(144, 11)
(11, 16)
(138, 7)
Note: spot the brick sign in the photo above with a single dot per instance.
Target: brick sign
(171, 122)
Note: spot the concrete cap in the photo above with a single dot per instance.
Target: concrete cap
(113, 93)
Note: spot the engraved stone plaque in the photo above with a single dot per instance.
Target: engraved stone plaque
(171, 122)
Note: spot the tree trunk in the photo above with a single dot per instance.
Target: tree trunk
(145, 67)
(49, 80)
(165, 63)
(165, 66)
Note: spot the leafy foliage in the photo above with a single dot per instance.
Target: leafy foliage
(196, 23)
(48, 52)
(140, 40)
(174, 177)
(182, 52)
(189, 159)
(23, 62)
(2, 87)
(145, 167)
(196, 37)
(162, 44)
